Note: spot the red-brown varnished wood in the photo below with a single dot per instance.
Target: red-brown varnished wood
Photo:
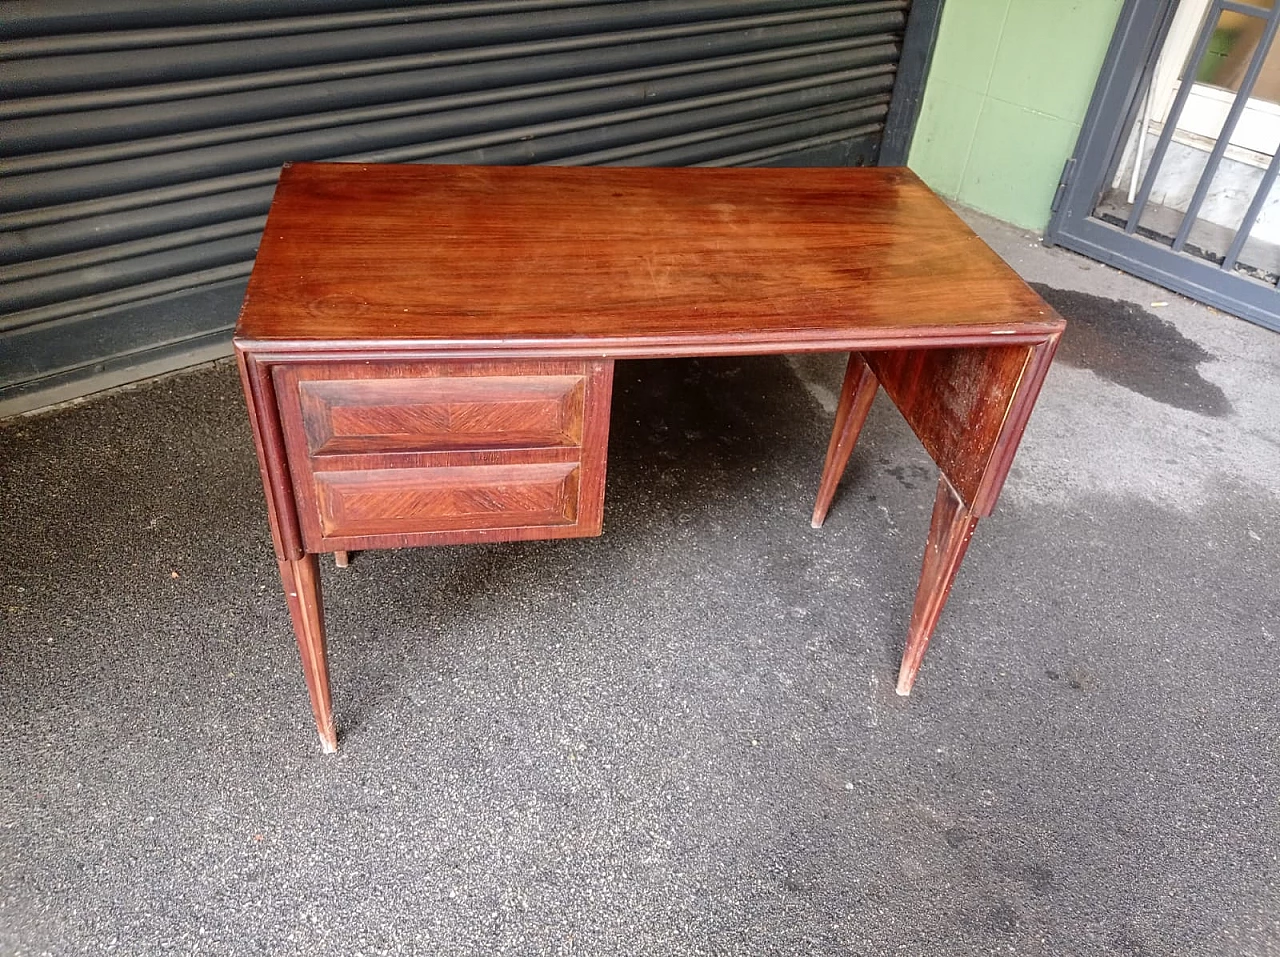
(968, 407)
(950, 529)
(1015, 423)
(389, 454)
(273, 466)
(856, 395)
(427, 351)
(439, 413)
(301, 578)
(632, 261)
(367, 503)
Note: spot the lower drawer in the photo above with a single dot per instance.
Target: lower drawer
(408, 501)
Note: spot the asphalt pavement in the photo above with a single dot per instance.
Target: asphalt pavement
(680, 737)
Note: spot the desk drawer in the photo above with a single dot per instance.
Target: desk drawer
(447, 498)
(440, 413)
(385, 454)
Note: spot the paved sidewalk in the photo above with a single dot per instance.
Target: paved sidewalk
(681, 737)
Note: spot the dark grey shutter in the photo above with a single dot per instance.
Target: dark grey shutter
(141, 139)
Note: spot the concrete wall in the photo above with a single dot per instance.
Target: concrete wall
(1009, 86)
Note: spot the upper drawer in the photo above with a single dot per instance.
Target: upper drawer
(380, 408)
(442, 413)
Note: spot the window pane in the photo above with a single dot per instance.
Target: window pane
(1232, 47)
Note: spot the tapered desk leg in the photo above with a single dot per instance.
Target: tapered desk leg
(949, 533)
(302, 589)
(855, 402)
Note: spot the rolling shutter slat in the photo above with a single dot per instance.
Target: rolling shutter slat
(140, 141)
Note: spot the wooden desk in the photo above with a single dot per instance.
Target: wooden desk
(427, 351)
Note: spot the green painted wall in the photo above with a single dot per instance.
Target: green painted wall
(1008, 88)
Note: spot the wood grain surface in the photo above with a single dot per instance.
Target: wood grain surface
(447, 498)
(390, 453)
(642, 261)
(439, 413)
(950, 530)
(427, 351)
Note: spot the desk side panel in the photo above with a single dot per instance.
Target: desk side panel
(268, 439)
(968, 407)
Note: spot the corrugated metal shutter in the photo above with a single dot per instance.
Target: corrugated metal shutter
(142, 139)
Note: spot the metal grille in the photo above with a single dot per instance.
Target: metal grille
(1179, 240)
(142, 139)
(1174, 244)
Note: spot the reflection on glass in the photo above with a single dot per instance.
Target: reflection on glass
(1230, 51)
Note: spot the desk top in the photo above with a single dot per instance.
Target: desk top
(624, 261)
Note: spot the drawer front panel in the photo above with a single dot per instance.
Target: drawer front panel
(390, 453)
(443, 413)
(406, 501)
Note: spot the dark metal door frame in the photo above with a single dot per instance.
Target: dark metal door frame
(918, 42)
(1126, 71)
